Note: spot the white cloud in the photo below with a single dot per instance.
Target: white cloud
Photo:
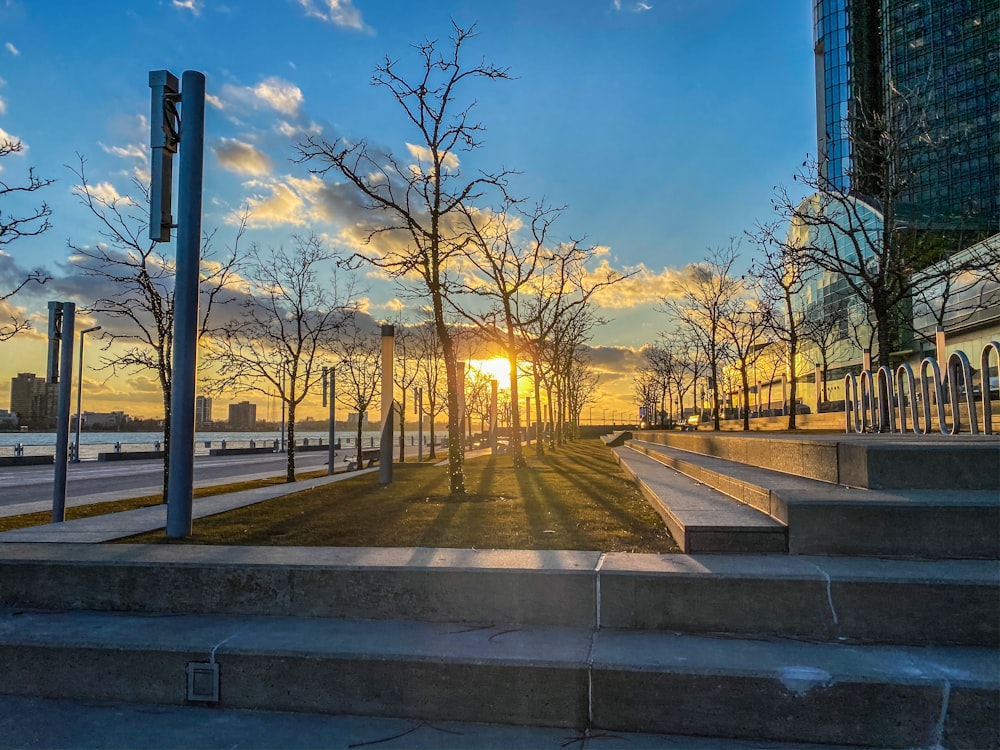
(3, 106)
(215, 101)
(192, 5)
(128, 151)
(12, 49)
(279, 94)
(105, 192)
(338, 12)
(241, 157)
(290, 130)
(272, 93)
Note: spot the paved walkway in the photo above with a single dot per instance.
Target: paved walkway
(112, 526)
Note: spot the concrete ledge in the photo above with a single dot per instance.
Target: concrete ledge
(240, 451)
(866, 461)
(616, 438)
(130, 455)
(27, 460)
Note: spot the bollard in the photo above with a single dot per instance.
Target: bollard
(72, 453)
(156, 445)
(18, 450)
(275, 445)
(118, 447)
(208, 443)
(305, 442)
(223, 445)
(253, 444)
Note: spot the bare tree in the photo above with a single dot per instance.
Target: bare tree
(746, 326)
(359, 351)
(417, 206)
(505, 267)
(781, 272)
(428, 352)
(703, 306)
(557, 315)
(288, 318)
(135, 279)
(15, 225)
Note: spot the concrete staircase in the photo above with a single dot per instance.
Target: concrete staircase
(881, 629)
(791, 649)
(826, 495)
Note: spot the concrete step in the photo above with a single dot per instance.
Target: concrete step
(701, 519)
(829, 519)
(890, 696)
(938, 462)
(42, 724)
(808, 692)
(835, 599)
(544, 587)
(822, 598)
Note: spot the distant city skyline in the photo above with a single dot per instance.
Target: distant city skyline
(662, 127)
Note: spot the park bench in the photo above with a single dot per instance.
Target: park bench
(368, 457)
(691, 423)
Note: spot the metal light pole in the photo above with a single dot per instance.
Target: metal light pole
(79, 389)
(332, 384)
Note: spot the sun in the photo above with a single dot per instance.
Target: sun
(497, 369)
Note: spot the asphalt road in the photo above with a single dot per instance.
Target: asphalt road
(94, 481)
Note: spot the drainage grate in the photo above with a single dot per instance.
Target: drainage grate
(203, 682)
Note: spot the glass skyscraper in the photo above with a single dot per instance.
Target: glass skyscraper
(940, 61)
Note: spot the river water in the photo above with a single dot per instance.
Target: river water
(92, 443)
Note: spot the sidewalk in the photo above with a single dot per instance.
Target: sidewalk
(112, 526)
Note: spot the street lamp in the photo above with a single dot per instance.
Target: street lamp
(79, 389)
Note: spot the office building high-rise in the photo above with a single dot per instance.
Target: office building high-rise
(34, 400)
(243, 416)
(202, 410)
(930, 71)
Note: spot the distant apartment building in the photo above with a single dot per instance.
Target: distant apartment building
(112, 421)
(202, 411)
(33, 400)
(352, 418)
(243, 416)
(8, 420)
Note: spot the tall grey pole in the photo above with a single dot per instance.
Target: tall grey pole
(419, 398)
(79, 391)
(385, 444)
(62, 415)
(189, 184)
(332, 450)
(493, 417)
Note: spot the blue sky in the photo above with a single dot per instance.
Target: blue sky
(662, 126)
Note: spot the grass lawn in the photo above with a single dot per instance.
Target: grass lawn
(574, 498)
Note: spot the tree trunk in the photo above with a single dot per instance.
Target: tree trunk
(402, 429)
(167, 413)
(539, 448)
(745, 382)
(290, 470)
